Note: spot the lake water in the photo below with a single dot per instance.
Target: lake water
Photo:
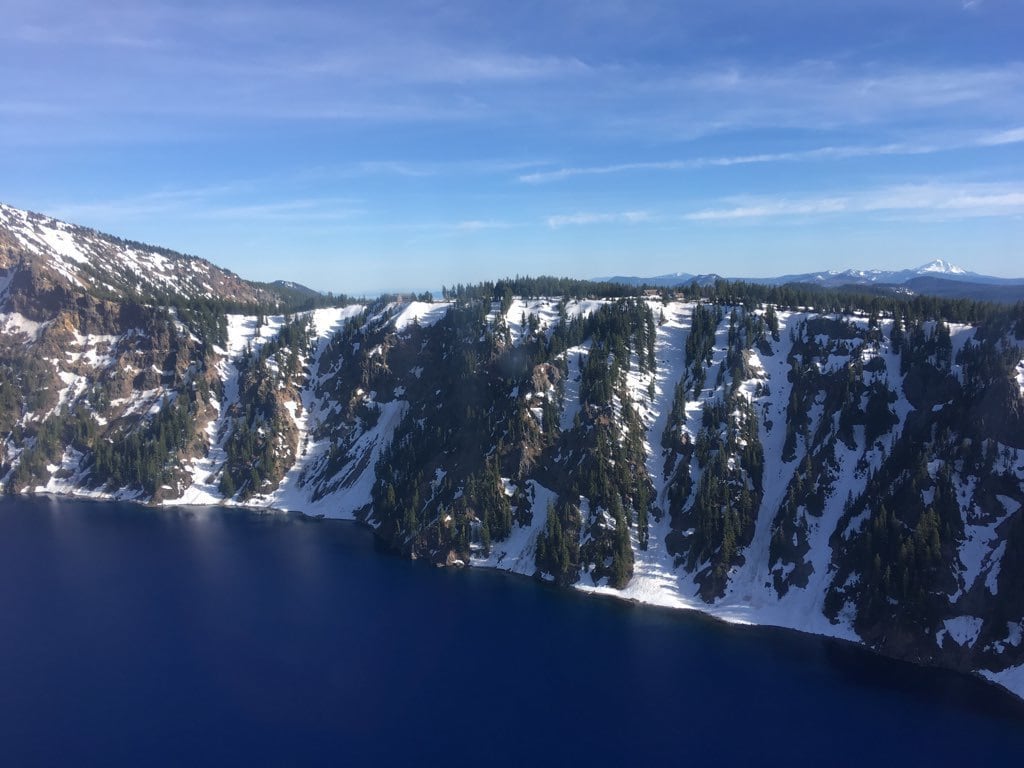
(130, 636)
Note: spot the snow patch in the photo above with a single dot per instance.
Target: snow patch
(964, 630)
(420, 312)
(1011, 678)
(518, 552)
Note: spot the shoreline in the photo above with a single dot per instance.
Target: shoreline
(588, 592)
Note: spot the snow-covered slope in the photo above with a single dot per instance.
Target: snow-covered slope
(111, 267)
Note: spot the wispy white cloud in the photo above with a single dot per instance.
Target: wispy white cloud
(923, 147)
(420, 169)
(583, 218)
(421, 64)
(865, 90)
(93, 31)
(821, 95)
(560, 174)
(156, 202)
(357, 62)
(392, 168)
(217, 202)
(260, 61)
(311, 209)
(999, 138)
(939, 200)
(157, 63)
(763, 208)
(477, 225)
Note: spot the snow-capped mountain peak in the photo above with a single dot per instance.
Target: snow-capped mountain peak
(942, 267)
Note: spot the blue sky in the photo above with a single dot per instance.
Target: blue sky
(365, 146)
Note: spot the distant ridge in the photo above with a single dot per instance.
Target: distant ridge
(936, 278)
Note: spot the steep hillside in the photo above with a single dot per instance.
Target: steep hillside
(852, 473)
(59, 257)
(110, 357)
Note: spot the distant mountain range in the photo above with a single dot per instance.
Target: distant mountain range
(936, 278)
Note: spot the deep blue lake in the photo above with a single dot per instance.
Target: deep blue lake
(131, 636)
